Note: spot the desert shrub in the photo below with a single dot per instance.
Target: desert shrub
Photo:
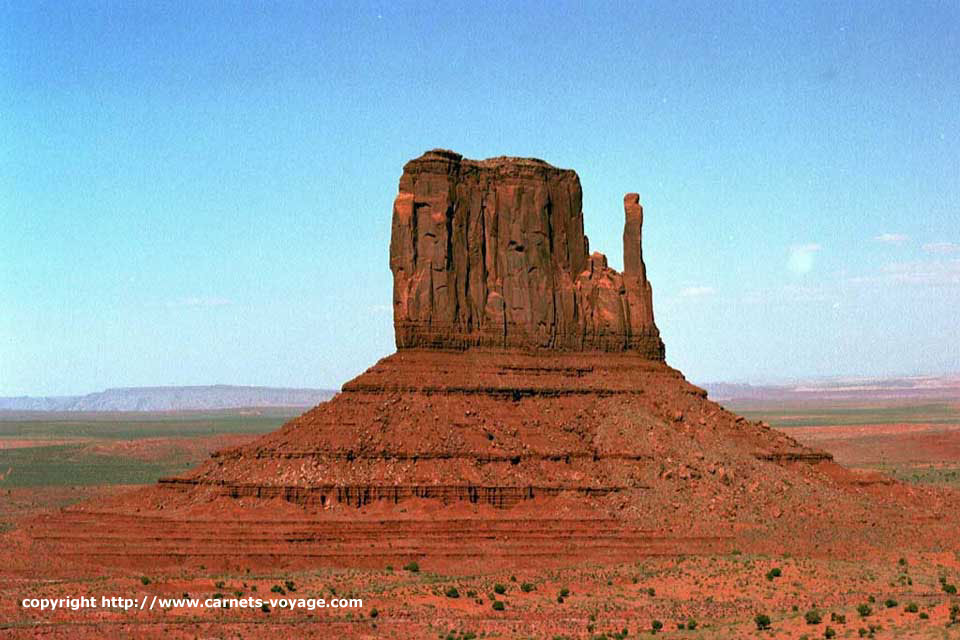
(955, 614)
(412, 567)
(762, 621)
(471, 593)
(527, 587)
(691, 624)
(911, 607)
(862, 632)
(564, 592)
(499, 606)
(500, 588)
(776, 572)
(452, 593)
(289, 584)
(656, 626)
(374, 613)
(890, 603)
(829, 632)
(864, 610)
(651, 592)
(560, 599)
(838, 617)
(265, 608)
(277, 589)
(950, 589)
(812, 617)
(924, 615)
(144, 580)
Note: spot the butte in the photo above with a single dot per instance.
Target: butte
(528, 417)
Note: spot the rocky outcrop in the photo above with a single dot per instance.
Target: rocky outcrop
(492, 253)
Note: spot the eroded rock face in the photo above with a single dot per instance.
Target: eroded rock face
(492, 253)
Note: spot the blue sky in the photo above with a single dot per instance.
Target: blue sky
(200, 192)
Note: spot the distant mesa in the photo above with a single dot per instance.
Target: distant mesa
(189, 398)
(492, 253)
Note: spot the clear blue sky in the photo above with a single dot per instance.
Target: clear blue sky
(200, 192)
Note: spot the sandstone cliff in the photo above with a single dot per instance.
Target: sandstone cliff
(492, 253)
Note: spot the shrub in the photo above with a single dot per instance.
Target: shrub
(290, 585)
(955, 614)
(564, 592)
(277, 589)
(864, 610)
(498, 605)
(144, 580)
(812, 617)
(762, 620)
(950, 588)
(651, 592)
(691, 624)
(829, 632)
(656, 625)
(452, 593)
(560, 599)
(527, 587)
(500, 588)
(890, 603)
(774, 573)
(911, 607)
(838, 617)
(265, 608)
(374, 613)
(924, 615)
(412, 567)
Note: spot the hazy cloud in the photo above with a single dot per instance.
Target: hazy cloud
(942, 247)
(696, 292)
(891, 238)
(920, 272)
(801, 257)
(199, 302)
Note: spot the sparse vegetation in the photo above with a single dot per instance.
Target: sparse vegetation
(774, 573)
(813, 617)
(498, 605)
(412, 567)
(762, 621)
(656, 626)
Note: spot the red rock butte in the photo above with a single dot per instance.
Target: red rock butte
(528, 417)
(492, 253)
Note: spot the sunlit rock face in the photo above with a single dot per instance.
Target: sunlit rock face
(492, 253)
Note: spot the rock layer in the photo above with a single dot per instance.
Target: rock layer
(492, 253)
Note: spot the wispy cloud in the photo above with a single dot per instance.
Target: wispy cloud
(199, 302)
(800, 260)
(937, 273)
(942, 247)
(696, 292)
(891, 238)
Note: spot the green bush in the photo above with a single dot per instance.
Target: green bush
(950, 588)
(762, 620)
(924, 615)
(864, 610)
(691, 624)
(911, 607)
(774, 573)
(812, 617)
(564, 592)
(144, 580)
(412, 567)
(838, 617)
(374, 613)
(527, 587)
(290, 585)
(498, 605)
(500, 588)
(452, 593)
(890, 603)
(829, 632)
(656, 626)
